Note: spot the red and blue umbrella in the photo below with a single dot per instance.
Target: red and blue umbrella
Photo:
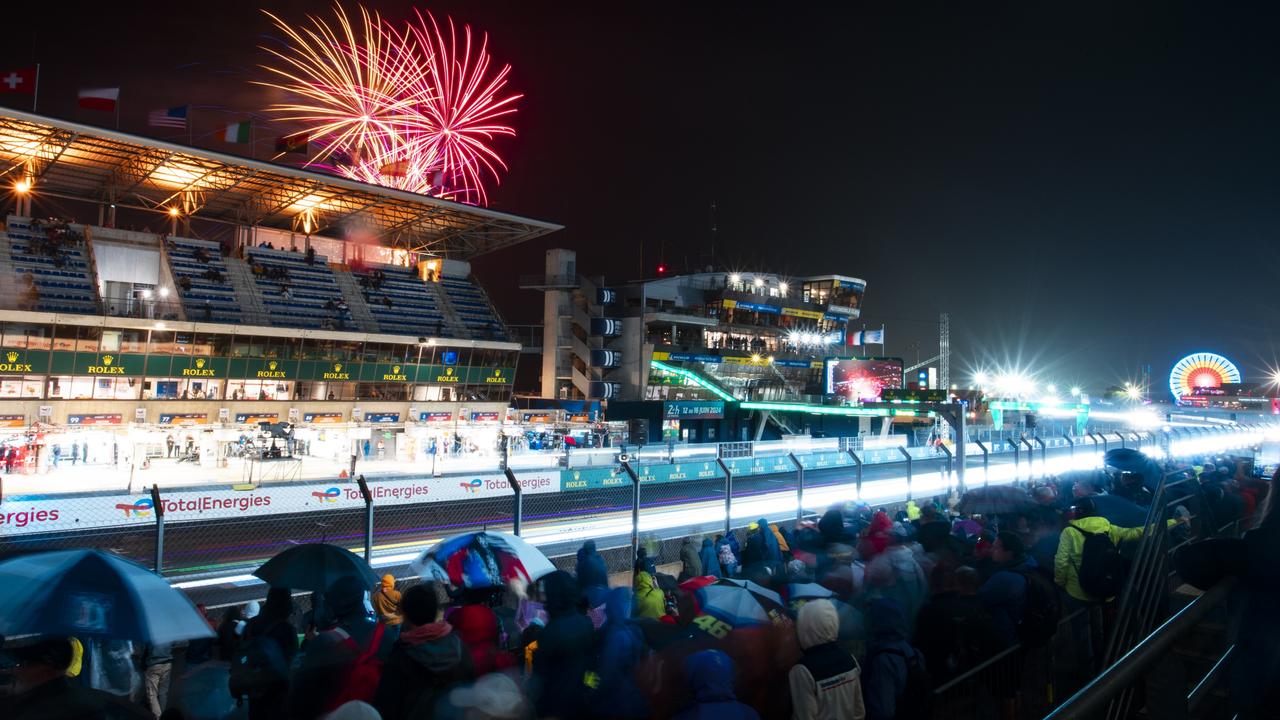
(482, 559)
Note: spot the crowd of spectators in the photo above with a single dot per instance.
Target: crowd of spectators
(879, 608)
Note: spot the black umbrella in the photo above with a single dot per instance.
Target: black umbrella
(996, 500)
(314, 567)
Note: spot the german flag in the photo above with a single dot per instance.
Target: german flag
(296, 143)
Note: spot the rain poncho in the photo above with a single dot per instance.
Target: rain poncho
(710, 674)
(690, 562)
(710, 562)
(622, 648)
(650, 602)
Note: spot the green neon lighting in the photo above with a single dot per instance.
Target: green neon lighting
(693, 378)
(832, 409)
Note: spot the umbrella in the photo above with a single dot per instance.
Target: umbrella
(90, 593)
(996, 500)
(482, 559)
(736, 604)
(314, 566)
(807, 591)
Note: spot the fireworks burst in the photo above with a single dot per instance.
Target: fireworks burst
(413, 108)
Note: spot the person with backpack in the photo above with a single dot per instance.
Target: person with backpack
(427, 661)
(826, 683)
(1022, 604)
(260, 670)
(1088, 565)
(344, 661)
(897, 684)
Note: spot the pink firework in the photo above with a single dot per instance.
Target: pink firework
(413, 109)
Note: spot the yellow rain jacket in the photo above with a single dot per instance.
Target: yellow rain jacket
(1066, 564)
(650, 602)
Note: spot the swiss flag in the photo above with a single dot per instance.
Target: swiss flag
(19, 82)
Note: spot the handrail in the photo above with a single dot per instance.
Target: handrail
(1095, 696)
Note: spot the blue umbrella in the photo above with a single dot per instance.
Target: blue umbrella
(738, 603)
(90, 593)
(314, 566)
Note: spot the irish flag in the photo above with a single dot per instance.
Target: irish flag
(237, 132)
(100, 99)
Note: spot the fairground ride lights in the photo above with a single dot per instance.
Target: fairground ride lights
(783, 504)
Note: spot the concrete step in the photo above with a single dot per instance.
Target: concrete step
(355, 300)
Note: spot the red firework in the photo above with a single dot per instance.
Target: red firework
(413, 109)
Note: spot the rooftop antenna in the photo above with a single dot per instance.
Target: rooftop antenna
(713, 231)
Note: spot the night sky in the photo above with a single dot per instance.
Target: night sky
(1085, 187)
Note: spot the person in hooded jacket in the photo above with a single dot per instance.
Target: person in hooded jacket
(710, 674)
(832, 528)
(622, 648)
(650, 601)
(593, 577)
(477, 625)
(895, 574)
(875, 538)
(1004, 594)
(321, 682)
(887, 654)
(564, 649)
(710, 560)
(826, 683)
(426, 662)
(690, 561)
(1066, 562)
(386, 601)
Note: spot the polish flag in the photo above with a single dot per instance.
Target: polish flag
(100, 99)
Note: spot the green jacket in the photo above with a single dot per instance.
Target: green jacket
(650, 601)
(1066, 564)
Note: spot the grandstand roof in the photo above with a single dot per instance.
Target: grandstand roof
(81, 162)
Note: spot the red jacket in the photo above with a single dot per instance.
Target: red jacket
(478, 629)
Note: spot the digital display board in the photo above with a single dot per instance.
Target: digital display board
(862, 378)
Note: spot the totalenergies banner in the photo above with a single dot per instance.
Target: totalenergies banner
(42, 513)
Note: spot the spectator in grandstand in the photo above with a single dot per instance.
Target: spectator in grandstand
(386, 300)
(200, 255)
(284, 293)
(593, 577)
(690, 562)
(622, 648)
(826, 684)
(650, 601)
(480, 630)
(1071, 547)
(895, 574)
(710, 675)
(184, 282)
(427, 661)
(727, 554)
(644, 561)
(954, 631)
(564, 651)
(325, 680)
(310, 257)
(386, 600)
(227, 636)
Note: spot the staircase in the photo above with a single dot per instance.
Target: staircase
(355, 301)
(453, 323)
(253, 311)
(9, 280)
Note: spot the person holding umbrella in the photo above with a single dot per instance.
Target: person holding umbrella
(43, 691)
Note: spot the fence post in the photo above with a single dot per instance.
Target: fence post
(857, 472)
(1122, 441)
(728, 496)
(368, 518)
(157, 506)
(635, 512)
(517, 512)
(1031, 458)
(1044, 452)
(986, 461)
(1106, 447)
(907, 455)
(1017, 459)
(1071, 445)
(799, 486)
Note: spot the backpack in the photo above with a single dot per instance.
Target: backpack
(361, 682)
(1102, 569)
(258, 669)
(1041, 611)
(916, 701)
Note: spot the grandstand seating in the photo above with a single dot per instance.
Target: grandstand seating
(414, 308)
(311, 287)
(218, 297)
(473, 309)
(67, 289)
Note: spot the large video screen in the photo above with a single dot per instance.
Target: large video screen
(863, 378)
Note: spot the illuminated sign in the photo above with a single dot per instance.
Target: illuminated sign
(485, 416)
(325, 418)
(497, 377)
(184, 419)
(537, 417)
(199, 369)
(863, 378)
(106, 366)
(692, 410)
(382, 417)
(95, 419)
(12, 363)
(449, 376)
(806, 314)
(272, 372)
(336, 374)
(255, 418)
(395, 375)
(13, 421)
(435, 417)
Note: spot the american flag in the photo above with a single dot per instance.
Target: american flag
(175, 117)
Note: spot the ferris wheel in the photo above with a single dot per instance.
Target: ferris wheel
(1202, 369)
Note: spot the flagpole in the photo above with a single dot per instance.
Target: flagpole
(191, 139)
(117, 109)
(35, 98)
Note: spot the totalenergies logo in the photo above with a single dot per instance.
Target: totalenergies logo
(142, 508)
(327, 496)
(472, 487)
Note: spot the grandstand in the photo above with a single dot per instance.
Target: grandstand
(234, 277)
